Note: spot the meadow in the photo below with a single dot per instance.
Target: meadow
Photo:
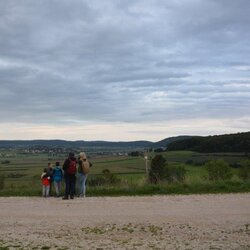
(22, 173)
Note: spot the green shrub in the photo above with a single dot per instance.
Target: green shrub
(218, 170)
(107, 178)
(161, 171)
(5, 162)
(244, 170)
(175, 173)
(189, 162)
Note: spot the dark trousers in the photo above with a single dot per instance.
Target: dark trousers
(70, 185)
(51, 184)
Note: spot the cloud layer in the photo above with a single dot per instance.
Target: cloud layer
(75, 63)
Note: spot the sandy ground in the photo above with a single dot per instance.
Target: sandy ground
(151, 222)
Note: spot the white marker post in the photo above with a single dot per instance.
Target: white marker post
(146, 164)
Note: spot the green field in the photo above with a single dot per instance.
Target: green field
(22, 173)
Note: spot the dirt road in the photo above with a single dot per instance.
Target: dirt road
(152, 222)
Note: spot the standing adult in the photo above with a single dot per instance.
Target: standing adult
(49, 172)
(69, 168)
(57, 178)
(83, 170)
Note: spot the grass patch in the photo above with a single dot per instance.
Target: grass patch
(176, 188)
(131, 187)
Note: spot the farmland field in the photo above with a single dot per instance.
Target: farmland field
(22, 171)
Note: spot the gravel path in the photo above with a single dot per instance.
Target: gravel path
(150, 222)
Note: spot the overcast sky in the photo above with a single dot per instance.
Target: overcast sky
(123, 70)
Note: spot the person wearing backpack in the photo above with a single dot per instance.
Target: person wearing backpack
(69, 168)
(57, 178)
(83, 170)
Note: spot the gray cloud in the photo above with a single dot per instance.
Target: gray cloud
(119, 61)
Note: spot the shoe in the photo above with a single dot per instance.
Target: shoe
(65, 198)
(71, 197)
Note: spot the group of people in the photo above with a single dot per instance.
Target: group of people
(74, 171)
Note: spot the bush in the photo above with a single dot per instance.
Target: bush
(159, 150)
(189, 162)
(107, 178)
(135, 153)
(161, 171)
(244, 170)
(235, 165)
(218, 170)
(5, 162)
(175, 173)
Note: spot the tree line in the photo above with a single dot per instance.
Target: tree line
(214, 144)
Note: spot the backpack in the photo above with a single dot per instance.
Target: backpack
(45, 179)
(72, 167)
(84, 167)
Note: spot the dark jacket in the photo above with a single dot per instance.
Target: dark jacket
(67, 163)
(49, 171)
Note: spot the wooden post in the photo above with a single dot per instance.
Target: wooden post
(146, 162)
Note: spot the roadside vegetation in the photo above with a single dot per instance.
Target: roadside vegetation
(173, 172)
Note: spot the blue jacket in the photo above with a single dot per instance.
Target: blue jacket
(57, 174)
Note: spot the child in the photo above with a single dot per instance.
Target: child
(49, 171)
(57, 178)
(46, 183)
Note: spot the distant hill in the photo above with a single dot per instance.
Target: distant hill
(239, 142)
(72, 144)
(167, 141)
(220, 143)
(88, 144)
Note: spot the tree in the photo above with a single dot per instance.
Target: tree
(157, 170)
(134, 153)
